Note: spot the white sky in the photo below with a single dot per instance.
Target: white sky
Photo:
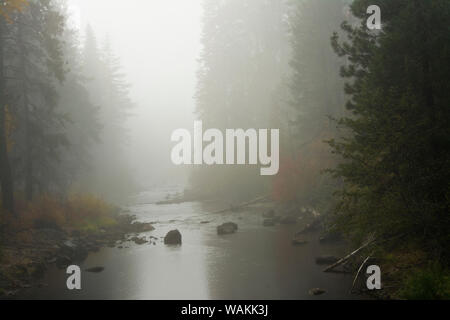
(158, 42)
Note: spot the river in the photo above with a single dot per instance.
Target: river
(255, 263)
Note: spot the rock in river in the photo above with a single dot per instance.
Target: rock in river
(138, 240)
(317, 292)
(227, 228)
(326, 260)
(268, 222)
(95, 269)
(173, 238)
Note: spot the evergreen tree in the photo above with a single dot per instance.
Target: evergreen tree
(37, 31)
(8, 10)
(244, 58)
(395, 166)
(5, 165)
(63, 107)
(83, 125)
(315, 96)
(109, 92)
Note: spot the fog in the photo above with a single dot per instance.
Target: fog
(158, 44)
(224, 149)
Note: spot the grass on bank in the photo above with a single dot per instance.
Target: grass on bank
(84, 213)
(409, 273)
(23, 235)
(429, 283)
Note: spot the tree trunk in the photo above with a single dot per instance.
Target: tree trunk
(28, 161)
(28, 145)
(5, 167)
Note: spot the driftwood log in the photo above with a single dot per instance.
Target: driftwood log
(359, 271)
(243, 205)
(344, 259)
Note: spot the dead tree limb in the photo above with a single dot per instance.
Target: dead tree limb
(359, 271)
(341, 261)
(243, 205)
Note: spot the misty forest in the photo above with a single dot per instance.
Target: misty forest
(91, 91)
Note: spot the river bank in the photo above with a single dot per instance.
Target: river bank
(27, 255)
(254, 262)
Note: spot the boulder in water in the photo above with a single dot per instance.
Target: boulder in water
(317, 292)
(173, 238)
(227, 228)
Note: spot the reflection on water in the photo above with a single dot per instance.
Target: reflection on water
(255, 263)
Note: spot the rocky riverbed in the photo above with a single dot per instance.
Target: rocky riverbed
(26, 256)
(254, 260)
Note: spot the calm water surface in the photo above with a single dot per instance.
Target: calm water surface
(255, 263)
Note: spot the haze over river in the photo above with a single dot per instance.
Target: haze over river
(255, 263)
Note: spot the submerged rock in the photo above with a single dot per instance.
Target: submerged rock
(326, 260)
(268, 222)
(173, 238)
(95, 269)
(317, 292)
(227, 228)
(138, 240)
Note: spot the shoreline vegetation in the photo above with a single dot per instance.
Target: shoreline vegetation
(51, 232)
(406, 269)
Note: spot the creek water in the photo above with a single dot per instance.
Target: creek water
(255, 263)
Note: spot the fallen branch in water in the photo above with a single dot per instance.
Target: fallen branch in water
(359, 271)
(243, 205)
(341, 261)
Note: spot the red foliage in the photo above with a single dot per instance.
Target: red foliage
(300, 175)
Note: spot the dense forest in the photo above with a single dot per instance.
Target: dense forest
(363, 116)
(291, 65)
(64, 105)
